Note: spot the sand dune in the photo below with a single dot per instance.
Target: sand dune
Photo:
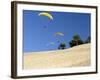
(75, 56)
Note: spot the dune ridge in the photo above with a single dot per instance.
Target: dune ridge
(73, 57)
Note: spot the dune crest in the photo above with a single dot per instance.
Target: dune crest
(73, 57)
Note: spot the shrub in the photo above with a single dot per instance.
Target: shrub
(88, 40)
(75, 41)
(62, 46)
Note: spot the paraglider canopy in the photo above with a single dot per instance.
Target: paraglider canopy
(46, 14)
(59, 34)
(50, 44)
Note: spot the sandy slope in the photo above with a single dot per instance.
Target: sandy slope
(76, 56)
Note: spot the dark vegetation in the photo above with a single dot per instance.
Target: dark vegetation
(88, 40)
(76, 40)
(62, 46)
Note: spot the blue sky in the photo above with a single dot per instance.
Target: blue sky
(39, 31)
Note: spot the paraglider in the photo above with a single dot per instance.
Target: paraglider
(51, 43)
(59, 34)
(46, 14)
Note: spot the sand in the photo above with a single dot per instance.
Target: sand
(72, 57)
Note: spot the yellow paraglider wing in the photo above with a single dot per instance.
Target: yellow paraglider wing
(59, 34)
(46, 14)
